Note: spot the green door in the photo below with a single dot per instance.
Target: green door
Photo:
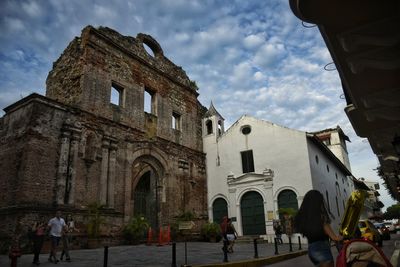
(220, 209)
(253, 217)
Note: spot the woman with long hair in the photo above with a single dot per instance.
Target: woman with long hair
(313, 221)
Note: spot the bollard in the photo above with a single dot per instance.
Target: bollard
(276, 246)
(255, 248)
(173, 264)
(185, 253)
(299, 242)
(290, 244)
(105, 256)
(14, 254)
(225, 249)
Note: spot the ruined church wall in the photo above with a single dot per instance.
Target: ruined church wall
(101, 58)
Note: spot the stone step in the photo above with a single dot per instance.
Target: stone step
(250, 239)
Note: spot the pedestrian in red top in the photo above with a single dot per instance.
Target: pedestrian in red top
(38, 232)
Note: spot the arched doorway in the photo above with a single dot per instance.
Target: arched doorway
(253, 217)
(146, 189)
(220, 209)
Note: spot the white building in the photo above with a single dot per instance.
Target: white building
(372, 204)
(256, 167)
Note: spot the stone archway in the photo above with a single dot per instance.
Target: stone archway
(147, 185)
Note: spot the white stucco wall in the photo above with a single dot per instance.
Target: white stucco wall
(338, 148)
(274, 147)
(288, 153)
(325, 181)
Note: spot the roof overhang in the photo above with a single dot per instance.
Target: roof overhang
(363, 38)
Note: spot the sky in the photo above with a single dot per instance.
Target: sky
(248, 57)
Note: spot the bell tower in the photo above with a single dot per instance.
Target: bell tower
(213, 123)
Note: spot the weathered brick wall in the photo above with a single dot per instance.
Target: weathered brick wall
(64, 80)
(39, 136)
(84, 74)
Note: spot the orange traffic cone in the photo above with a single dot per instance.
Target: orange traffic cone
(149, 236)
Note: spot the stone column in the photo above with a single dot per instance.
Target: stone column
(73, 163)
(111, 174)
(104, 172)
(62, 172)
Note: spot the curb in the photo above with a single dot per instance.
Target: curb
(257, 262)
(394, 260)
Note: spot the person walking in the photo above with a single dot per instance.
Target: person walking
(231, 235)
(224, 227)
(67, 237)
(313, 221)
(38, 231)
(57, 226)
(278, 231)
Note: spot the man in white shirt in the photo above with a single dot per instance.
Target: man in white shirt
(56, 225)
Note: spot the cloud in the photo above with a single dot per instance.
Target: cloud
(249, 57)
(253, 41)
(32, 8)
(269, 54)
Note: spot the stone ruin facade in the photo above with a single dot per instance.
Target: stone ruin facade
(91, 139)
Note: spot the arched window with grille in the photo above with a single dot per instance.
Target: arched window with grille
(287, 199)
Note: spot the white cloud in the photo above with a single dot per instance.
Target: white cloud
(253, 41)
(14, 24)
(269, 54)
(295, 64)
(259, 76)
(240, 75)
(32, 9)
(250, 57)
(103, 12)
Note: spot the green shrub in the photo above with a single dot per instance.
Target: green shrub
(210, 231)
(95, 219)
(136, 229)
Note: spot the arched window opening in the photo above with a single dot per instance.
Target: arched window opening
(327, 201)
(148, 49)
(220, 130)
(209, 127)
(287, 199)
(220, 209)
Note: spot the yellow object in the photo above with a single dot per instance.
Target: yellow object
(369, 231)
(354, 205)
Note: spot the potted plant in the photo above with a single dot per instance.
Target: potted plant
(286, 216)
(211, 232)
(94, 223)
(136, 229)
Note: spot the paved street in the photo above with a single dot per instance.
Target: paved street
(142, 255)
(198, 253)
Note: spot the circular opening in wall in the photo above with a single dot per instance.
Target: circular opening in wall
(246, 129)
(149, 50)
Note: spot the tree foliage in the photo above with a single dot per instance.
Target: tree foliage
(136, 229)
(392, 212)
(95, 219)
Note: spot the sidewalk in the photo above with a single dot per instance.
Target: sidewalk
(198, 253)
